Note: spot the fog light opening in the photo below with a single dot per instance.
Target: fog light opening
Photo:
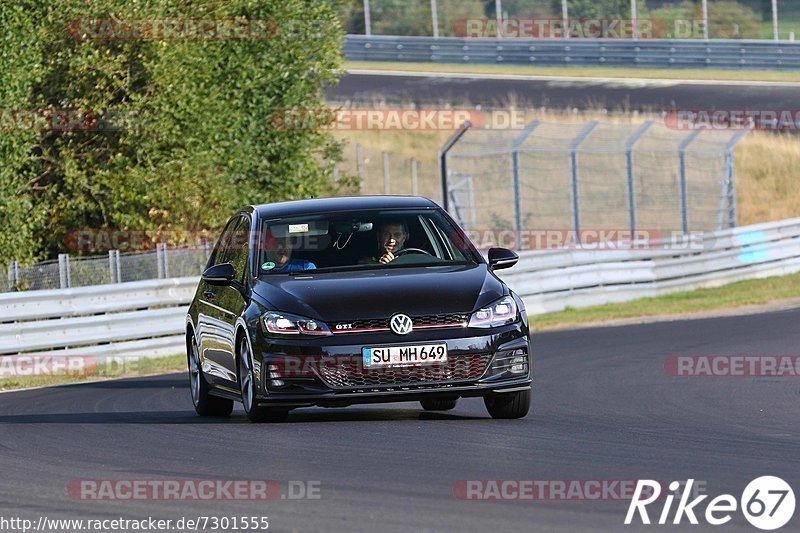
(519, 364)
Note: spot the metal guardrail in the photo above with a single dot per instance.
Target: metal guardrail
(143, 318)
(146, 318)
(671, 53)
(551, 281)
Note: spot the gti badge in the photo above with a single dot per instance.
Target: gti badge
(401, 324)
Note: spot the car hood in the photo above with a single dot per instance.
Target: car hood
(380, 293)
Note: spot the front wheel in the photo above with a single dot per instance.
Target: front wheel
(508, 404)
(254, 412)
(204, 403)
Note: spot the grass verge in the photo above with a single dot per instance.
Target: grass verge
(581, 72)
(735, 295)
(106, 370)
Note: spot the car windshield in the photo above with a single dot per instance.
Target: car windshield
(361, 240)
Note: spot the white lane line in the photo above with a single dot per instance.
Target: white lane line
(658, 82)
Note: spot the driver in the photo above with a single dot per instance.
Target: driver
(392, 236)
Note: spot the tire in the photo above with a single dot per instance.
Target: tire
(254, 412)
(204, 403)
(440, 404)
(509, 404)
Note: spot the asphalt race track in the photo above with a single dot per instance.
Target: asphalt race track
(605, 409)
(614, 95)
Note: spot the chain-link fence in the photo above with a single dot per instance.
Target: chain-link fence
(660, 19)
(593, 176)
(382, 172)
(116, 267)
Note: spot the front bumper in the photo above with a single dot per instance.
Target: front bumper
(325, 372)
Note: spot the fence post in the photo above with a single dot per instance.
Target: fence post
(13, 274)
(160, 260)
(119, 267)
(729, 193)
(443, 159)
(435, 19)
(112, 270)
(165, 258)
(387, 188)
(573, 170)
(629, 144)
(515, 184)
(63, 271)
(683, 186)
(414, 190)
(360, 168)
(367, 19)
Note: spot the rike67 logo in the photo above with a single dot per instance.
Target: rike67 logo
(767, 503)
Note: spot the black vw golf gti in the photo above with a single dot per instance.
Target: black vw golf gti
(340, 301)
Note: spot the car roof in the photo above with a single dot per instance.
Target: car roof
(345, 203)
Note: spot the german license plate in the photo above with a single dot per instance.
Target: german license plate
(419, 354)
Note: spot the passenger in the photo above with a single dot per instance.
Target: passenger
(279, 258)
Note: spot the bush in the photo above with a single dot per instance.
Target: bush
(197, 140)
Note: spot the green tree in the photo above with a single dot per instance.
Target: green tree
(189, 131)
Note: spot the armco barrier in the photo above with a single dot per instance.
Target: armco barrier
(653, 53)
(551, 281)
(146, 318)
(142, 318)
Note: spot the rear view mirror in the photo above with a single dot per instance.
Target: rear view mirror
(222, 273)
(500, 258)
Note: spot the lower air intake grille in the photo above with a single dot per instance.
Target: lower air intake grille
(350, 373)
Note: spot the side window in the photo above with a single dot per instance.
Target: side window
(220, 252)
(240, 247)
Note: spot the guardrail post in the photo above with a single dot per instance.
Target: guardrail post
(63, 271)
(684, 193)
(387, 188)
(443, 160)
(629, 145)
(414, 190)
(573, 170)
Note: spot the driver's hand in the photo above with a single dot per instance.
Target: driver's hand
(388, 256)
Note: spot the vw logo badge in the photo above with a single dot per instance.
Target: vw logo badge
(401, 324)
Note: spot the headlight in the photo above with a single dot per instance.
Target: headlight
(286, 324)
(501, 312)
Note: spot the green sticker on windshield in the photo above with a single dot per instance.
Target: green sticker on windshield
(269, 265)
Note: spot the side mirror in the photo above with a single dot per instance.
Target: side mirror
(500, 258)
(222, 273)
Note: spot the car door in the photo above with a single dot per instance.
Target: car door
(233, 298)
(212, 317)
